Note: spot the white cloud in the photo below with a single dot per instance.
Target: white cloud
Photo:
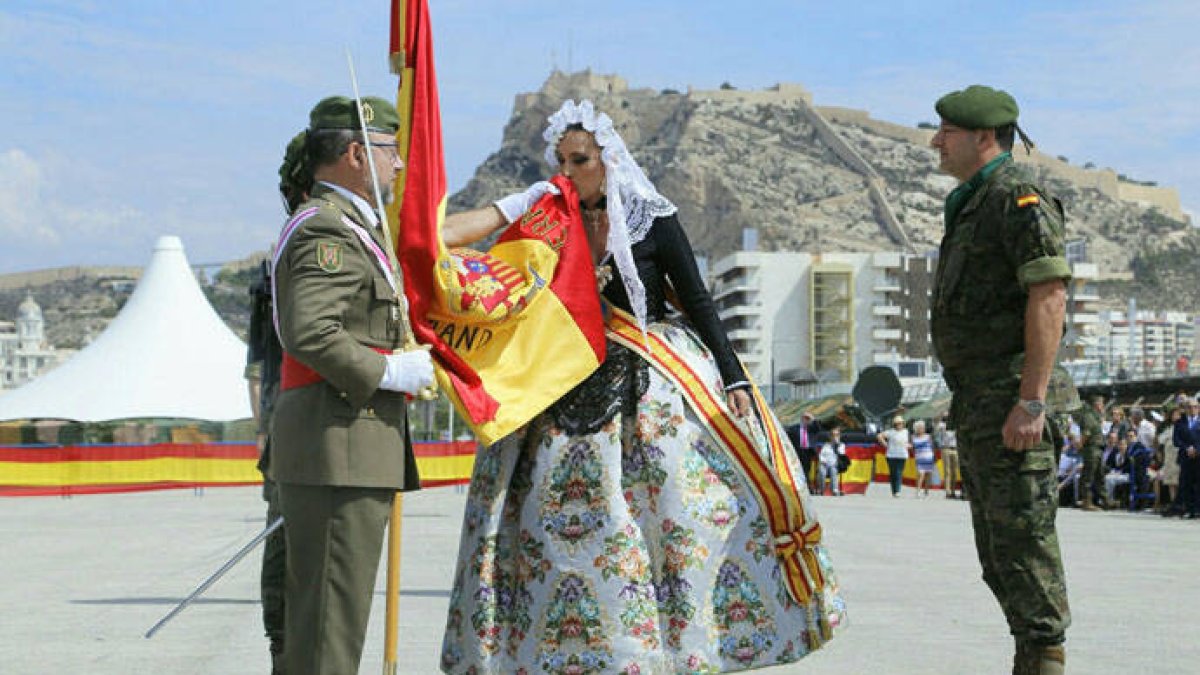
(25, 217)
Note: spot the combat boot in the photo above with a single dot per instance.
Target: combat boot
(1034, 659)
(1087, 504)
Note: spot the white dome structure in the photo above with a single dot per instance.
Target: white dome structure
(166, 354)
(29, 310)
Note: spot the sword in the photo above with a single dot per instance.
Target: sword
(392, 595)
(258, 539)
(410, 341)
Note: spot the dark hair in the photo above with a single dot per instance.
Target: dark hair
(1005, 135)
(325, 146)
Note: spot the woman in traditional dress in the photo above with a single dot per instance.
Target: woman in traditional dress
(648, 521)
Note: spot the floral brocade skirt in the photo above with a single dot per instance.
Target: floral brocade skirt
(617, 535)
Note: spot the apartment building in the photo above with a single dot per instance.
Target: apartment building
(806, 324)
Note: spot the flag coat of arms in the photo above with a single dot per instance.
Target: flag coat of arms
(512, 329)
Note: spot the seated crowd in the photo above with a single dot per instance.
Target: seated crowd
(1144, 462)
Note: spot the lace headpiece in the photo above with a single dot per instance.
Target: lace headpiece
(632, 201)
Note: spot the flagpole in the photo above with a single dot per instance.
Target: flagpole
(396, 520)
(392, 592)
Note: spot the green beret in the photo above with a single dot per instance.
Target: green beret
(978, 107)
(295, 175)
(293, 165)
(337, 112)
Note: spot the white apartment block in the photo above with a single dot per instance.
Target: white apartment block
(806, 324)
(1083, 316)
(1151, 346)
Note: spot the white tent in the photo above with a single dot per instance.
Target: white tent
(167, 354)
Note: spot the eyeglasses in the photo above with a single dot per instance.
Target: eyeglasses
(391, 148)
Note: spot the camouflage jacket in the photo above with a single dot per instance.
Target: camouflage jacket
(1090, 428)
(1007, 236)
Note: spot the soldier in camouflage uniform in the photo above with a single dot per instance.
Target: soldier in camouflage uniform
(998, 308)
(263, 362)
(1092, 481)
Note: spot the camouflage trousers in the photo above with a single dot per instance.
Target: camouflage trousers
(1091, 480)
(1014, 500)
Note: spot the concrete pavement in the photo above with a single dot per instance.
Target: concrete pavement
(85, 578)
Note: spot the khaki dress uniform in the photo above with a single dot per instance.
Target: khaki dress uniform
(340, 444)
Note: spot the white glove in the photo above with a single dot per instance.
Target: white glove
(515, 205)
(409, 372)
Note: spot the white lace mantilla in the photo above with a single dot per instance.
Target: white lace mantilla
(633, 202)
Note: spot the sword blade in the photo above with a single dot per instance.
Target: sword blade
(258, 539)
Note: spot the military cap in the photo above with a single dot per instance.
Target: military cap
(978, 107)
(337, 112)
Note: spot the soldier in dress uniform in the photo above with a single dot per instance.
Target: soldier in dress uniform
(999, 301)
(339, 432)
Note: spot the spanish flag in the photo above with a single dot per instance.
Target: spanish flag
(512, 329)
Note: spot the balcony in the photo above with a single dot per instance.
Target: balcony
(753, 310)
(886, 310)
(886, 261)
(752, 334)
(724, 290)
(885, 334)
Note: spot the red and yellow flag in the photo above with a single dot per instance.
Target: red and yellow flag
(512, 329)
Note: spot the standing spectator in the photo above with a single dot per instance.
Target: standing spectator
(1168, 472)
(1187, 440)
(1182, 364)
(830, 451)
(802, 436)
(896, 441)
(922, 446)
(947, 441)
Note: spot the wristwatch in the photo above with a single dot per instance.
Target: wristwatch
(1034, 407)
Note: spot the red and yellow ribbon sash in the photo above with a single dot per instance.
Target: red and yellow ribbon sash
(796, 535)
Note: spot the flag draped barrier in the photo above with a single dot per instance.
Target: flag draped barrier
(33, 470)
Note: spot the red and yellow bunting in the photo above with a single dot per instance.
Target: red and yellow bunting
(86, 469)
(796, 536)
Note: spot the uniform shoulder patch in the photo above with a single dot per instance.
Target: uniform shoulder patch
(329, 256)
(1028, 199)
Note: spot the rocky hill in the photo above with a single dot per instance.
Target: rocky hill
(808, 177)
(78, 303)
(833, 179)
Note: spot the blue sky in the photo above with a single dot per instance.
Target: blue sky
(124, 120)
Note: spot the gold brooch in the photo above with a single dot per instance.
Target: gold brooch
(604, 275)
